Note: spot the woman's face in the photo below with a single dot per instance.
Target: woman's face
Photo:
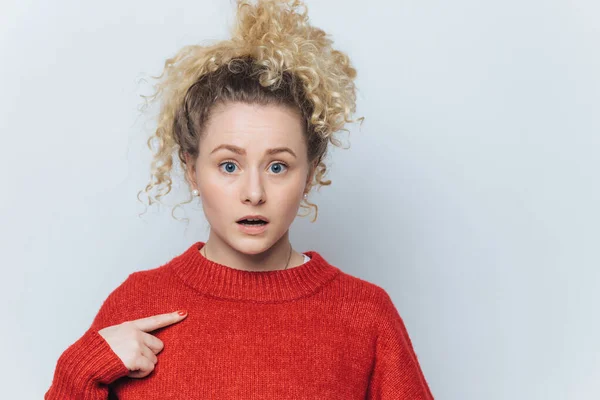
(243, 170)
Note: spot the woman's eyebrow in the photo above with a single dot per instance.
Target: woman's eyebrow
(240, 151)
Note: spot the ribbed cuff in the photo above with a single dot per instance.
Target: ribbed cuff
(86, 365)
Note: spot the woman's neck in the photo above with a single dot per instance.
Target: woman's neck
(274, 258)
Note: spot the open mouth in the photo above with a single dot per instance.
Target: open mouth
(249, 222)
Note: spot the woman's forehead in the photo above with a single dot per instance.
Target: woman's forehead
(253, 127)
(241, 116)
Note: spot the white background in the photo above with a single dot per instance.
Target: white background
(470, 193)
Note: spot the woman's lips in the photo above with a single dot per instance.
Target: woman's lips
(252, 229)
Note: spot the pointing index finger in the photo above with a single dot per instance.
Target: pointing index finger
(154, 322)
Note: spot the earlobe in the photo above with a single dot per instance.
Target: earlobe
(190, 176)
(311, 173)
(189, 168)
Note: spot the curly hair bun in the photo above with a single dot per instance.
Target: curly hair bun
(280, 37)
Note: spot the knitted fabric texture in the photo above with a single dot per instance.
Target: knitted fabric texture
(309, 332)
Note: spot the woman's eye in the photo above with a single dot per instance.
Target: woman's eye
(229, 166)
(279, 167)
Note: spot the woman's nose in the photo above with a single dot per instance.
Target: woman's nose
(253, 189)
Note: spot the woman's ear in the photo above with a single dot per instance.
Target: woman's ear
(190, 169)
(311, 173)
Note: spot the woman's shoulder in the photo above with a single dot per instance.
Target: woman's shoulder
(150, 275)
(159, 273)
(355, 288)
(133, 294)
(361, 302)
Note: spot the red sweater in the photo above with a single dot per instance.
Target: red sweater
(309, 332)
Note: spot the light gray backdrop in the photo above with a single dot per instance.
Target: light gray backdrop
(470, 194)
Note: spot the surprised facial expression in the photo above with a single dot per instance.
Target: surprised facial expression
(252, 161)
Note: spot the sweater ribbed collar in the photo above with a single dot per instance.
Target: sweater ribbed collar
(224, 282)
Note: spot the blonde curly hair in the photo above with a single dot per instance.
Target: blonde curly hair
(274, 57)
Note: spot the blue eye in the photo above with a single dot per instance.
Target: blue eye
(278, 169)
(228, 163)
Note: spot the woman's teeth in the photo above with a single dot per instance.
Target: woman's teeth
(254, 222)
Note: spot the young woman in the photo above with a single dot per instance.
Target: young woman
(250, 119)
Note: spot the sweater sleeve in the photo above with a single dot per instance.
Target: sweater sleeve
(86, 368)
(396, 371)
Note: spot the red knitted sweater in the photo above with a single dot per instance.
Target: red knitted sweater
(309, 332)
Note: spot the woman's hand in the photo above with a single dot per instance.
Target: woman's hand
(134, 346)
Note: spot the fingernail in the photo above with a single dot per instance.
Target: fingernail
(182, 312)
